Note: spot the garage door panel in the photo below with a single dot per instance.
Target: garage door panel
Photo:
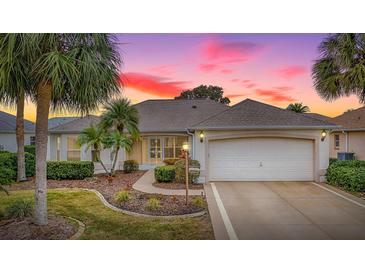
(261, 159)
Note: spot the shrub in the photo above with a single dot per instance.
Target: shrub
(130, 166)
(180, 171)
(171, 161)
(153, 204)
(333, 160)
(19, 209)
(61, 170)
(198, 201)
(165, 174)
(122, 196)
(347, 174)
(8, 166)
(30, 149)
(7, 176)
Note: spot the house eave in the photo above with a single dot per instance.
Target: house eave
(348, 129)
(263, 127)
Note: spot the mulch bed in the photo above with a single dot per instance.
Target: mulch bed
(58, 228)
(169, 205)
(174, 185)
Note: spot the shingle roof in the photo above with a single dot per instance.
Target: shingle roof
(175, 115)
(8, 124)
(352, 120)
(318, 116)
(56, 121)
(76, 125)
(250, 114)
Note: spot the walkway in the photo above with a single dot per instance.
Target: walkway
(144, 184)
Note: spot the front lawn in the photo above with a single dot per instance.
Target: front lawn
(104, 223)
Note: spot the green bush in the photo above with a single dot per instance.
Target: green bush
(165, 174)
(30, 149)
(19, 209)
(122, 196)
(171, 161)
(153, 204)
(130, 166)
(62, 170)
(333, 160)
(198, 201)
(8, 166)
(347, 174)
(180, 171)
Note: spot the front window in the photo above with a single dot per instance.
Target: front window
(32, 140)
(337, 141)
(73, 149)
(155, 151)
(173, 146)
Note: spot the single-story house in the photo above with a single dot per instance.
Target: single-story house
(351, 136)
(250, 141)
(7, 132)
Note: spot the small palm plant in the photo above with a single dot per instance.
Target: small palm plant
(3, 189)
(298, 107)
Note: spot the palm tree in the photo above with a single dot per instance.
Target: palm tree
(14, 80)
(72, 72)
(120, 115)
(298, 107)
(94, 137)
(340, 69)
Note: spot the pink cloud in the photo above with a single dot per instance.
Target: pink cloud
(245, 83)
(290, 72)
(153, 85)
(284, 88)
(206, 68)
(230, 52)
(274, 95)
(163, 69)
(227, 71)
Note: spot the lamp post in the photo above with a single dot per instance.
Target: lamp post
(185, 148)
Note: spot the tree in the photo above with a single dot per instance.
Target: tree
(120, 115)
(14, 81)
(94, 137)
(298, 107)
(214, 93)
(74, 72)
(340, 69)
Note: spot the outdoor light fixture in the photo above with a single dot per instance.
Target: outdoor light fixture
(185, 146)
(201, 136)
(323, 135)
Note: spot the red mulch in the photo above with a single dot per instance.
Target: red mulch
(58, 228)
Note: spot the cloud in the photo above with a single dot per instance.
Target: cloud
(160, 86)
(230, 52)
(163, 69)
(290, 72)
(245, 83)
(206, 68)
(227, 71)
(274, 95)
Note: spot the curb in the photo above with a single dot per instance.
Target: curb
(80, 230)
(107, 204)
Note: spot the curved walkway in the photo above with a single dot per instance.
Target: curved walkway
(145, 184)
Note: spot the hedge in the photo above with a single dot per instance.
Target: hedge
(61, 170)
(9, 167)
(165, 174)
(171, 161)
(347, 174)
(180, 171)
(30, 149)
(130, 166)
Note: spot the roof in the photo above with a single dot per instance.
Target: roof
(56, 121)
(250, 114)
(351, 120)
(8, 124)
(76, 125)
(175, 115)
(317, 116)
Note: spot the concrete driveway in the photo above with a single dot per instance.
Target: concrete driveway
(283, 210)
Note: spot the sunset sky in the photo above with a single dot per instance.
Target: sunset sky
(272, 68)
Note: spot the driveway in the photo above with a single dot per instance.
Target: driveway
(283, 210)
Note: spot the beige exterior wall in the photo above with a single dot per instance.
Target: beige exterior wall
(355, 144)
(321, 148)
(341, 148)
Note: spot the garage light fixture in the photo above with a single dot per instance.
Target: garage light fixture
(323, 135)
(201, 136)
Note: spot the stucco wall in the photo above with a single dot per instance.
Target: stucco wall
(321, 149)
(8, 141)
(357, 144)
(341, 148)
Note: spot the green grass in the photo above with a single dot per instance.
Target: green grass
(104, 223)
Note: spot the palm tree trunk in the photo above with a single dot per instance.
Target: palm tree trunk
(20, 138)
(44, 93)
(115, 161)
(98, 158)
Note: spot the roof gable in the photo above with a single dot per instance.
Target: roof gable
(252, 114)
(354, 119)
(8, 123)
(76, 125)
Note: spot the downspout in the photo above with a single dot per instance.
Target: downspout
(192, 143)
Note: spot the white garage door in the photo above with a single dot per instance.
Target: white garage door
(261, 159)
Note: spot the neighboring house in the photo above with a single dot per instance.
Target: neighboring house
(7, 132)
(351, 136)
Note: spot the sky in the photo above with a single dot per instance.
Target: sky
(271, 68)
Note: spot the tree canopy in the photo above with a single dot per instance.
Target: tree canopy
(214, 93)
(298, 107)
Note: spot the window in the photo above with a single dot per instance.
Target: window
(73, 149)
(32, 140)
(337, 141)
(173, 146)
